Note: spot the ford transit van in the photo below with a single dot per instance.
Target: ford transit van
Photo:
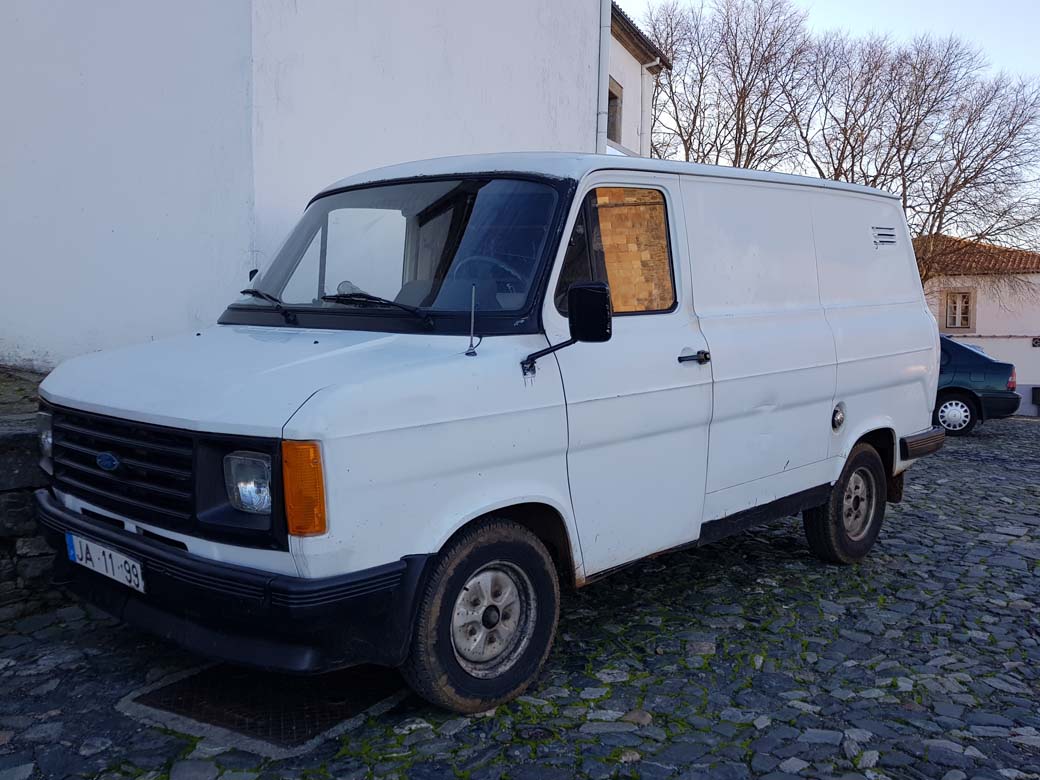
(464, 384)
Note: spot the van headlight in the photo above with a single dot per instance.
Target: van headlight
(247, 477)
(45, 437)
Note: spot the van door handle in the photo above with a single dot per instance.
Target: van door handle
(702, 357)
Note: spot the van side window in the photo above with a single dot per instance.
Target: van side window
(621, 237)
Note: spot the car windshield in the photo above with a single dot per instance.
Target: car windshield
(428, 245)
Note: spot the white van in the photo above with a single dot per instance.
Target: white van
(465, 383)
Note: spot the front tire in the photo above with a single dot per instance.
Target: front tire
(844, 529)
(957, 413)
(486, 620)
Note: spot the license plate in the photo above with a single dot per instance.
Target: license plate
(104, 560)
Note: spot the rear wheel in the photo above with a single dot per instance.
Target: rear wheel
(844, 529)
(957, 413)
(486, 620)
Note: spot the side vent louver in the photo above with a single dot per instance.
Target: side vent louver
(883, 236)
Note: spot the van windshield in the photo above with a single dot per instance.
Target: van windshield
(430, 246)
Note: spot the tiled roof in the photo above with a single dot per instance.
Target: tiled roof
(960, 257)
(629, 34)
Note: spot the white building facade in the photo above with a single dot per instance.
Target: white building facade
(154, 152)
(633, 65)
(1005, 327)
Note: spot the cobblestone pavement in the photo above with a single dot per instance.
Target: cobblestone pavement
(18, 391)
(745, 659)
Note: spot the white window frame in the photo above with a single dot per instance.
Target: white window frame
(959, 310)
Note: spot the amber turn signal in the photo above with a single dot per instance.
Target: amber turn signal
(304, 488)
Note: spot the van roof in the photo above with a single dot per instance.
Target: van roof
(566, 165)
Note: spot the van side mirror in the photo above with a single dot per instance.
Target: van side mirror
(589, 314)
(253, 273)
(589, 311)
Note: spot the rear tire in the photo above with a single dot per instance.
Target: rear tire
(957, 413)
(844, 529)
(487, 619)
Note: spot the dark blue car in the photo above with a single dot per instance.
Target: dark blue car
(973, 387)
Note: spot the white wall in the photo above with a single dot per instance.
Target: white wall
(125, 183)
(345, 86)
(153, 152)
(1017, 317)
(627, 71)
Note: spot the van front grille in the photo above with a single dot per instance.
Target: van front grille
(138, 471)
(166, 477)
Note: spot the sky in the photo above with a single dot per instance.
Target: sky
(1007, 31)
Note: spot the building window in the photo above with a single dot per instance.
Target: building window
(958, 310)
(614, 112)
(621, 237)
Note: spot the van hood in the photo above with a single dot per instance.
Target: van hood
(233, 378)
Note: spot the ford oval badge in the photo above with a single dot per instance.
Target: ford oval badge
(107, 461)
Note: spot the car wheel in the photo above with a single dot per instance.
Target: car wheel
(956, 413)
(486, 620)
(844, 529)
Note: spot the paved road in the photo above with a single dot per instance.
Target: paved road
(745, 659)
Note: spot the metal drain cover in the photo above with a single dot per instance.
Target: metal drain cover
(270, 714)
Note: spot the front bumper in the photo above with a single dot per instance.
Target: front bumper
(1000, 404)
(244, 615)
(917, 445)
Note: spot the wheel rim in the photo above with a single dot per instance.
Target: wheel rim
(954, 415)
(858, 503)
(493, 619)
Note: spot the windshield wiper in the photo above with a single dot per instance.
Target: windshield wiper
(288, 316)
(364, 298)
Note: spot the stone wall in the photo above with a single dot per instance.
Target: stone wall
(25, 558)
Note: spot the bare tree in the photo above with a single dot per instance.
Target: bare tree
(685, 105)
(726, 99)
(840, 108)
(925, 119)
(983, 188)
(762, 44)
(981, 182)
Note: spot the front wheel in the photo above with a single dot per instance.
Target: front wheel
(486, 620)
(844, 529)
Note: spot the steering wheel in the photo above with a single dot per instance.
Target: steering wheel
(493, 262)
